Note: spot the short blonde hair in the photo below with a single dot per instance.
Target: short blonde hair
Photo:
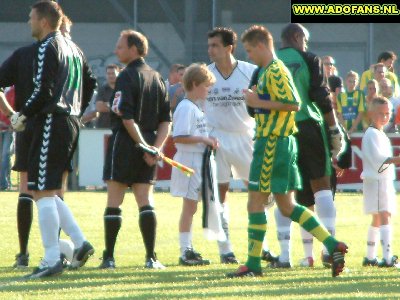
(258, 34)
(197, 73)
(379, 100)
(353, 74)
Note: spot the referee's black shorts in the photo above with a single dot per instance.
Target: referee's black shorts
(124, 160)
(23, 141)
(54, 140)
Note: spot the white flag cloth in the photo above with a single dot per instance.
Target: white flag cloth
(212, 226)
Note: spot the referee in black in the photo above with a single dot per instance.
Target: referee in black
(63, 86)
(140, 113)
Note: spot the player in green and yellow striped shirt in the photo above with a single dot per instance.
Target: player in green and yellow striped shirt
(274, 166)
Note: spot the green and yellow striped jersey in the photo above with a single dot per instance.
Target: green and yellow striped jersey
(275, 83)
(350, 104)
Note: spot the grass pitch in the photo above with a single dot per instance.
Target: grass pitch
(131, 281)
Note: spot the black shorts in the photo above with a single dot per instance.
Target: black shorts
(306, 197)
(53, 144)
(23, 141)
(313, 155)
(124, 160)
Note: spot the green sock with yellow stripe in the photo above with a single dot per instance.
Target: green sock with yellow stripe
(256, 232)
(307, 219)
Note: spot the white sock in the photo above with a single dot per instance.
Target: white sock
(372, 241)
(185, 241)
(326, 211)
(283, 231)
(68, 223)
(308, 241)
(265, 241)
(225, 246)
(386, 242)
(49, 224)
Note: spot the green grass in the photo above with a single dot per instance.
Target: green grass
(131, 281)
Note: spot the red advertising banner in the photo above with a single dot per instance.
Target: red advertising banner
(349, 180)
(351, 177)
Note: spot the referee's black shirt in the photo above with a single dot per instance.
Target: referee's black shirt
(139, 94)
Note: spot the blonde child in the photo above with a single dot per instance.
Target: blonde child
(351, 104)
(191, 138)
(378, 189)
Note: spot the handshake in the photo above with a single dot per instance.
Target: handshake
(17, 121)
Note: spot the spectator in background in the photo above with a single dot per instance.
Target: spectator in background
(104, 95)
(7, 141)
(372, 92)
(386, 90)
(90, 115)
(328, 63)
(176, 93)
(351, 104)
(175, 75)
(387, 59)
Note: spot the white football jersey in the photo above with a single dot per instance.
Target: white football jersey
(376, 148)
(188, 119)
(225, 107)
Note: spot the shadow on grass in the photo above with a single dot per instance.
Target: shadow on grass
(203, 282)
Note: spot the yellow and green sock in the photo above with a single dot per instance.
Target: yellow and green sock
(307, 219)
(256, 232)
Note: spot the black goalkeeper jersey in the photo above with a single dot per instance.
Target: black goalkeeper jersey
(17, 70)
(63, 82)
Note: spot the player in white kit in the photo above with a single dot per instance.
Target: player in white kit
(378, 189)
(228, 120)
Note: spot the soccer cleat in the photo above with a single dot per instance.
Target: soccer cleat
(192, 258)
(81, 255)
(369, 262)
(307, 262)
(268, 256)
(44, 270)
(21, 261)
(338, 258)
(229, 258)
(65, 262)
(279, 264)
(394, 262)
(107, 262)
(244, 271)
(326, 260)
(154, 263)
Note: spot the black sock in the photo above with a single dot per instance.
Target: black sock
(24, 220)
(148, 224)
(112, 225)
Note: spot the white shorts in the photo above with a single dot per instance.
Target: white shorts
(182, 185)
(233, 155)
(379, 195)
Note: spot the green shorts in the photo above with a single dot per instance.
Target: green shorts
(274, 165)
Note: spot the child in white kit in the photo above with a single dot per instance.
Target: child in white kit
(378, 184)
(191, 138)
